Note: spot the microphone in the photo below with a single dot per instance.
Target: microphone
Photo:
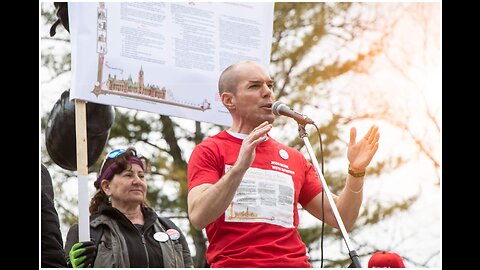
(279, 108)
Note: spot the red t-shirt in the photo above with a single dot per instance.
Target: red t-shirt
(259, 229)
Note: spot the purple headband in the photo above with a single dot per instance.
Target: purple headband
(112, 167)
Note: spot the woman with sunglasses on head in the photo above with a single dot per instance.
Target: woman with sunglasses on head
(125, 230)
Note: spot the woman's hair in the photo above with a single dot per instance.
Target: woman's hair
(122, 162)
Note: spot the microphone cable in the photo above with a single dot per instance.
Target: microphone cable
(323, 197)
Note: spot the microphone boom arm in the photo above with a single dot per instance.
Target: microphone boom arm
(352, 253)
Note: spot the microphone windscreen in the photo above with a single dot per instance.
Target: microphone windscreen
(276, 106)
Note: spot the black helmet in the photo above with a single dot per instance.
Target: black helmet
(60, 136)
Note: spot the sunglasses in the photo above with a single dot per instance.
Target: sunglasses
(113, 154)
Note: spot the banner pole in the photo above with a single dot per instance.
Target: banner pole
(82, 169)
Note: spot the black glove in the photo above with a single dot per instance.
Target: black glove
(82, 254)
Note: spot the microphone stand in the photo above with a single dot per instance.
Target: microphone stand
(353, 254)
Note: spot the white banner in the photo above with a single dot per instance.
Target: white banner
(164, 57)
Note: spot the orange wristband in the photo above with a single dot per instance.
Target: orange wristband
(355, 174)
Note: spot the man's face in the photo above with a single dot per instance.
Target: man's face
(253, 97)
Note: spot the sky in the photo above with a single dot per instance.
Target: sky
(415, 234)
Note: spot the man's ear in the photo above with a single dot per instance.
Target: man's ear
(228, 100)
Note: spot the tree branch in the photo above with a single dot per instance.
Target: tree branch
(154, 145)
(56, 39)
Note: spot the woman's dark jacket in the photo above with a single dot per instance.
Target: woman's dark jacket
(120, 243)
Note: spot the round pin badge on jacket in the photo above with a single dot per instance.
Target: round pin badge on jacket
(174, 234)
(160, 236)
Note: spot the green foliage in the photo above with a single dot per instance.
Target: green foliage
(298, 29)
(378, 211)
(56, 64)
(130, 127)
(47, 14)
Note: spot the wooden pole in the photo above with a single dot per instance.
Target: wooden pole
(82, 169)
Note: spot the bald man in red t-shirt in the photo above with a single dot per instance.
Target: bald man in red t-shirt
(244, 186)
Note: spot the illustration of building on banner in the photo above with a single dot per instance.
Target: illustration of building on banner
(130, 88)
(138, 89)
